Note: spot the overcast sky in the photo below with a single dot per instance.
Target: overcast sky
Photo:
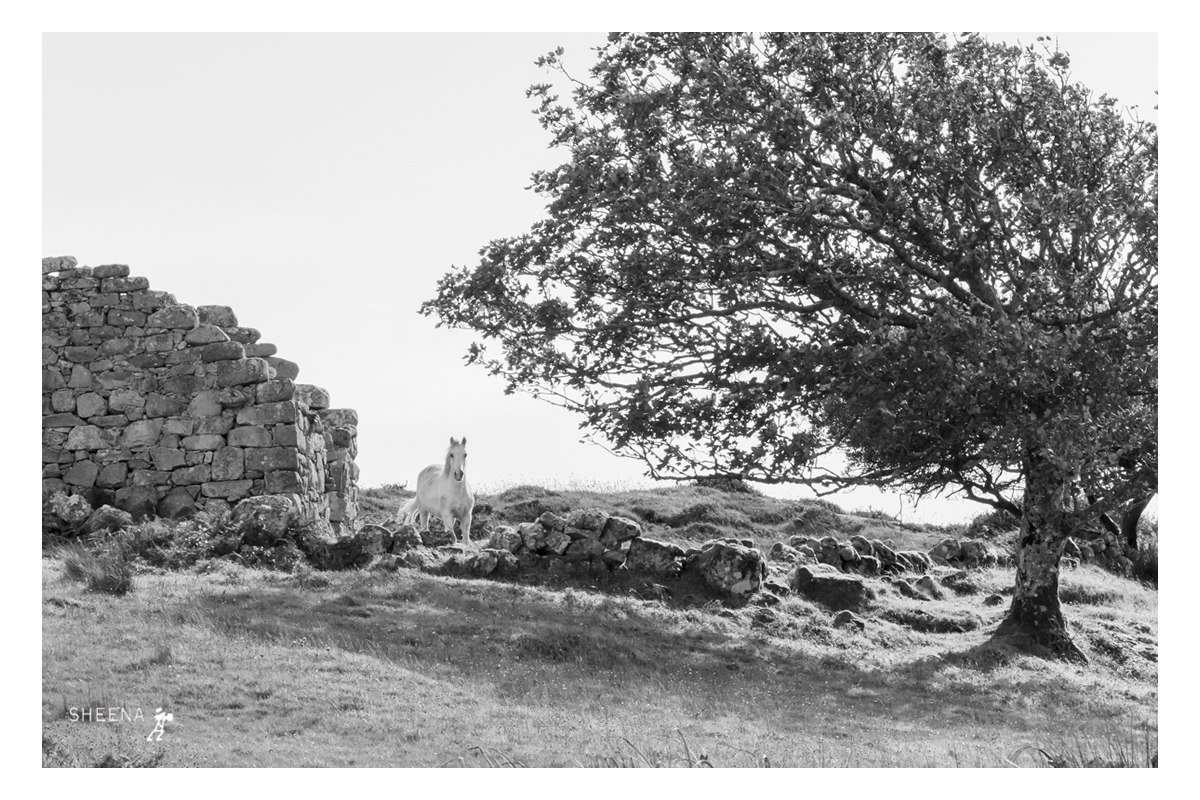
(320, 184)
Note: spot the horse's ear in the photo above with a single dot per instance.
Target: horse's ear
(464, 441)
(453, 441)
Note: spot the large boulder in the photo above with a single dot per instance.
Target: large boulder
(978, 553)
(506, 538)
(948, 552)
(106, 518)
(729, 567)
(835, 591)
(655, 557)
(405, 537)
(263, 521)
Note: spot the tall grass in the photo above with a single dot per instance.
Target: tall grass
(102, 565)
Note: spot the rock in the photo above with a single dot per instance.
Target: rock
(848, 619)
(106, 518)
(867, 565)
(977, 553)
(618, 530)
(74, 510)
(263, 521)
(177, 504)
(782, 552)
(905, 588)
(377, 539)
(930, 587)
(483, 563)
(654, 557)
(552, 522)
(730, 567)
(849, 555)
(862, 545)
(961, 583)
(947, 552)
(777, 588)
(993, 600)
(139, 501)
(915, 560)
(588, 519)
(835, 591)
(584, 550)
(533, 536)
(614, 558)
(505, 538)
(405, 537)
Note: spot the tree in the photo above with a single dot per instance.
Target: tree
(936, 256)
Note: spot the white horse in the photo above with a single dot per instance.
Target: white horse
(443, 490)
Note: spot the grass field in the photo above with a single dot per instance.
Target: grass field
(263, 668)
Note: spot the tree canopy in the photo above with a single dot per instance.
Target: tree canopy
(937, 255)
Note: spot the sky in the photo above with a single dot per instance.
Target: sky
(320, 184)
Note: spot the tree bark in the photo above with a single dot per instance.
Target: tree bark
(1035, 620)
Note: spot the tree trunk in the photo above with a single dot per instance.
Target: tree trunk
(1129, 522)
(1035, 619)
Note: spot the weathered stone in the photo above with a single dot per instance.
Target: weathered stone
(339, 417)
(57, 264)
(260, 349)
(124, 284)
(977, 553)
(993, 600)
(584, 550)
(91, 405)
(267, 414)
(82, 473)
(342, 436)
(106, 518)
(243, 335)
(179, 316)
(783, 552)
(221, 316)
(81, 354)
(190, 476)
(143, 433)
(166, 459)
(289, 436)
(532, 536)
(113, 475)
(505, 538)
(588, 519)
(618, 530)
(206, 441)
(229, 490)
(614, 558)
(729, 567)
(482, 563)
(283, 482)
(930, 587)
(283, 368)
(221, 351)
(655, 557)
(250, 436)
(125, 318)
(151, 300)
(177, 504)
(115, 379)
(161, 405)
(62, 420)
(87, 437)
(946, 552)
(867, 565)
(849, 554)
(405, 537)
(204, 334)
(139, 501)
(265, 459)
(833, 590)
(314, 397)
(915, 560)
(111, 271)
(275, 391)
(243, 372)
(862, 545)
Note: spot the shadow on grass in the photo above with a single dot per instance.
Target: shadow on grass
(532, 645)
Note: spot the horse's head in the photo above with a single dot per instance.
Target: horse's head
(456, 458)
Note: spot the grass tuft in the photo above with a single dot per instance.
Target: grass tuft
(104, 565)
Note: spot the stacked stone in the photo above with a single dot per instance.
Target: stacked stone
(858, 554)
(158, 407)
(341, 473)
(587, 535)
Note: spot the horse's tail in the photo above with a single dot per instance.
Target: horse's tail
(405, 512)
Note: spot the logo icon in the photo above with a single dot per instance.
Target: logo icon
(160, 719)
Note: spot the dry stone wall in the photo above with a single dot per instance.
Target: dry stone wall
(161, 408)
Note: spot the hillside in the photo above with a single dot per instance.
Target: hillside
(373, 667)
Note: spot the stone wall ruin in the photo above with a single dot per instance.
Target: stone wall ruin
(161, 408)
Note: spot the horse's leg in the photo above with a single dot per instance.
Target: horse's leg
(448, 523)
(423, 515)
(466, 527)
